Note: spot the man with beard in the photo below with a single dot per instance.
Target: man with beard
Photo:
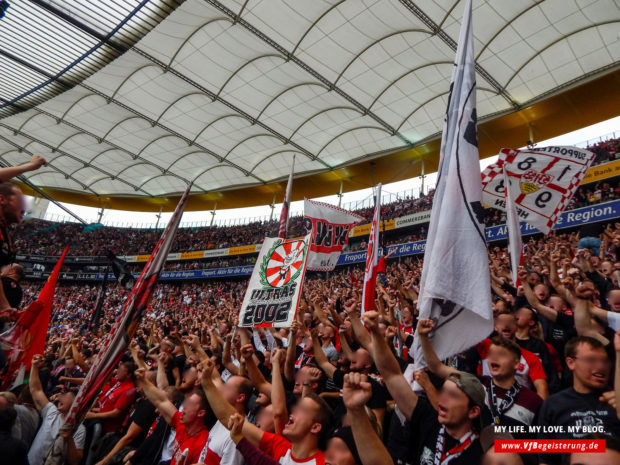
(580, 405)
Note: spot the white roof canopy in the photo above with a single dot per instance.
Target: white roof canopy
(223, 93)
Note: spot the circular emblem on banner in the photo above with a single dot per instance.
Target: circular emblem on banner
(283, 263)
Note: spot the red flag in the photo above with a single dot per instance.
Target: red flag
(370, 274)
(29, 334)
(286, 205)
(127, 324)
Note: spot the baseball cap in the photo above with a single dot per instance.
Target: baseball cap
(470, 385)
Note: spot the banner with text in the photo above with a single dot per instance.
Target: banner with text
(329, 227)
(543, 180)
(274, 289)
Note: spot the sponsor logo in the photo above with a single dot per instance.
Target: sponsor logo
(532, 180)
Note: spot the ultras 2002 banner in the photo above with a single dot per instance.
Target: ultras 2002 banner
(274, 289)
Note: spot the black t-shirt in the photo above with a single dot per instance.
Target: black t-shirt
(568, 408)
(540, 349)
(379, 391)
(424, 429)
(7, 251)
(149, 451)
(12, 291)
(559, 332)
(14, 451)
(143, 415)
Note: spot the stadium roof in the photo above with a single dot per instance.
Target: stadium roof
(130, 100)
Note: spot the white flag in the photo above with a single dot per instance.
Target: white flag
(455, 284)
(330, 227)
(372, 255)
(546, 179)
(274, 289)
(514, 230)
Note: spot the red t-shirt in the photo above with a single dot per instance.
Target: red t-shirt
(280, 449)
(116, 395)
(194, 443)
(530, 367)
(381, 265)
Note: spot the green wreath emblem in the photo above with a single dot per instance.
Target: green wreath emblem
(263, 268)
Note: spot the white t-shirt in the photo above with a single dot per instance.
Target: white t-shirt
(220, 449)
(51, 422)
(613, 320)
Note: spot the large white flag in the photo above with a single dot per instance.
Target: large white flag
(455, 284)
(330, 227)
(544, 180)
(372, 255)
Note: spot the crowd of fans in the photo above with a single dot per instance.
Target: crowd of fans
(337, 387)
(196, 389)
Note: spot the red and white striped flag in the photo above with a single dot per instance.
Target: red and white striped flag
(286, 205)
(126, 325)
(370, 273)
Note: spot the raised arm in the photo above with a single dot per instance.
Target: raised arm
(344, 343)
(156, 396)
(134, 349)
(77, 356)
(278, 396)
(359, 331)
(319, 355)
(227, 358)
(583, 316)
(255, 375)
(162, 376)
(387, 365)
(549, 313)
(220, 406)
(356, 392)
(36, 162)
(289, 364)
(34, 383)
(425, 327)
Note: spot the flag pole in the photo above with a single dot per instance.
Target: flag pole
(284, 214)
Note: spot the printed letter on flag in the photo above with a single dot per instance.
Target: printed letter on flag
(455, 285)
(330, 227)
(127, 323)
(274, 289)
(372, 256)
(546, 179)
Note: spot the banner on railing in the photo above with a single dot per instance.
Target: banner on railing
(572, 218)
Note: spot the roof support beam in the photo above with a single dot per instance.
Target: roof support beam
(268, 40)
(436, 29)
